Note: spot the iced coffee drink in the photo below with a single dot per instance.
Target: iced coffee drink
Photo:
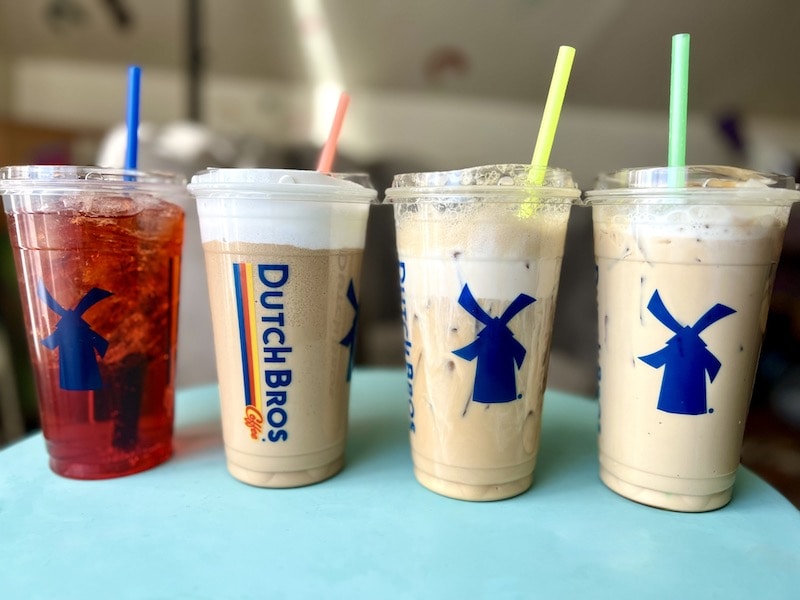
(684, 283)
(283, 255)
(480, 256)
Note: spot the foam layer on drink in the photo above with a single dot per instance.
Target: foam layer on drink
(305, 209)
(648, 233)
(486, 244)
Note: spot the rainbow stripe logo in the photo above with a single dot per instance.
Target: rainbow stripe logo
(266, 374)
(246, 312)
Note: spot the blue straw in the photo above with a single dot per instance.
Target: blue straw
(131, 151)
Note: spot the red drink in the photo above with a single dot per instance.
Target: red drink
(98, 263)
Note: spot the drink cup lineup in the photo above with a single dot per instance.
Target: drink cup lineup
(684, 279)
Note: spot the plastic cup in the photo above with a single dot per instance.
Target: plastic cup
(98, 254)
(684, 282)
(480, 257)
(283, 253)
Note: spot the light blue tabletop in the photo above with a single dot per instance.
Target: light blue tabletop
(187, 529)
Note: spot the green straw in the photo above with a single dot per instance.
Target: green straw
(678, 101)
(552, 112)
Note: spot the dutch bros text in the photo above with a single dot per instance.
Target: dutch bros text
(264, 348)
(407, 346)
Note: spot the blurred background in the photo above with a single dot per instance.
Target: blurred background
(434, 85)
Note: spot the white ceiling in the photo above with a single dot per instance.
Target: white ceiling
(744, 52)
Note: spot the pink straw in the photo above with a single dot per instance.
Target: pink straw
(329, 149)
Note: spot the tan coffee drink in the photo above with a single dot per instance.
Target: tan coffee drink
(296, 389)
(684, 283)
(480, 259)
(283, 255)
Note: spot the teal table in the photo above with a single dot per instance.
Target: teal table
(187, 529)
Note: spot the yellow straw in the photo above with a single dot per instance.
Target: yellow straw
(552, 112)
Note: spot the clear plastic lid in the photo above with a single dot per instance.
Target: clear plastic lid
(362, 179)
(693, 184)
(288, 183)
(484, 180)
(68, 178)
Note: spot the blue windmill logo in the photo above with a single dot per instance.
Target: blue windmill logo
(497, 351)
(349, 341)
(686, 360)
(78, 344)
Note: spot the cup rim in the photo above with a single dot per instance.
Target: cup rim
(692, 184)
(64, 175)
(278, 184)
(497, 183)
